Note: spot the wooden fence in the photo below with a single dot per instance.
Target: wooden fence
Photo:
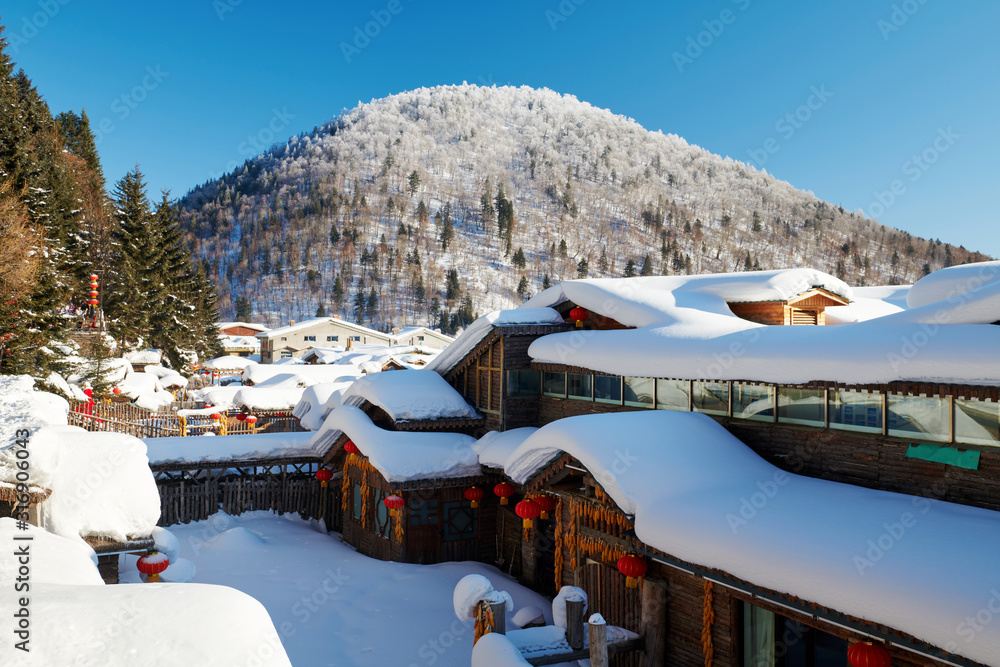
(194, 492)
(127, 418)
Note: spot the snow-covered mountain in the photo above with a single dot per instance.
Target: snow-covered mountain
(372, 195)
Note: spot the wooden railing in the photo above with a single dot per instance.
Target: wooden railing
(126, 418)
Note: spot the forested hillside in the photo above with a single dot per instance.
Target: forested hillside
(432, 205)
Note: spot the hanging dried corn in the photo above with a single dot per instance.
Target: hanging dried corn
(707, 619)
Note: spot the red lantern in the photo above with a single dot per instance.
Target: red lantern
(546, 504)
(242, 417)
(93, 302)
(868, 654)
(504, 490)
(578, 315)
(116, 391)
(93, 276)
(324, 475)
(395, 503)
(351, 448)
(251, 420)
(633, 567)
(527, 510)
(93, 293)
(152, 564)
(216, 416)
(474, 494)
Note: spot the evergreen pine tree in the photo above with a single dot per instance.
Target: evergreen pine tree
(523, 290)
(243, 309)
(630, 268)
(582, 268)
(647, 267)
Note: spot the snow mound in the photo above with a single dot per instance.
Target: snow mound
(229, 447)
(54, 559)
(180, 571)
(559, 603)
(166, 543)
(952, 283)
(472, 588)
(495, 650)
(528, 615)
(21, 407)
(410, 395)
(235, 539)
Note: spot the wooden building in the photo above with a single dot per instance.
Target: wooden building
(808, 307)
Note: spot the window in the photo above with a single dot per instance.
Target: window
(381, 514)
(554, 384)
(285, 354)
(608, 389)
(356, 513)
(772, 640)
(579, 386)
(420, 339)
(356, 339)
(639, 392)
(423, 512)
(852, 410)
(802, 406)
(710, 397)
(332, 339)
(521, 384)
(753, 401)
(309, 338)
(673, 395)
(461, 522)
(284, 338)
(919, 417)
(977, 422)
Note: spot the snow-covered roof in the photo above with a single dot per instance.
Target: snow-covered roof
(401, 456)
(410, 395)
(481, 328)
(227, 363)
(101, 483)
(143, 357)
(249, 325)
(229, 447)
(693, 334)
(869, 303)
(495, 447)
(952, 283)
(308, 324)
(21, 407)
(917, 565)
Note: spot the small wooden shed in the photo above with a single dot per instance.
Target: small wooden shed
(808, 307)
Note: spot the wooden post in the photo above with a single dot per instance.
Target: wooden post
(598, 641)
(499, 617)
(574, 623)
(653, 626)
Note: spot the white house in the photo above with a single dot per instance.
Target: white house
(422, 336)
(295, 339)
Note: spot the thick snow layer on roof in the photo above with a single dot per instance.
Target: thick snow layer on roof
(871, 554)
(310, 408)
(54, 559)
(148, 624)
(268, 398)
(307, 324)
(217, 397)
(21, 407)
(481, 328)
(940, 342)
(308, 375)
(410, 395)
(229, 447)
(248, 325)
(952, 283)
(101, 483)
(168, 377)
(227, 363)
(869, 303)
(495, 447)
(143, 357)
(401, 456)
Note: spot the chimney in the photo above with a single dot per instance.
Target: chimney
(336, 317)
(437, 331)
(395, 330)
(292, 324)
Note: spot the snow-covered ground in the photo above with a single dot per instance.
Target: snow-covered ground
(330, 604)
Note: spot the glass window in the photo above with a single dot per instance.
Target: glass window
(524, 383)
(608, 389)
(460, 522)
(285, 354)
(852, 410)
(580, 386)
(420, 339)
(919, 417)
(639, 392)
(801, 406)
(332, 339)
(357, 502)
(710, 397)
(381, 515)
(554, 384)
(423, 512)
(768, 639)
(673, 395)
(977, 422)
(753, 401)
(309, 338)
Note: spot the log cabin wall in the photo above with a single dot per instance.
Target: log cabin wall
(770, 313)
(872, 461)
(358, 521)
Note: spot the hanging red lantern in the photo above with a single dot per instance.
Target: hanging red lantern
(93, 293)
(527, 510)
(216, 416)
(546, 504)
(474, 494)
(93, 276)
(152, 564)
(868, 654)
(578, 315)
(93, 302)
(241, 417)
(504, 490)
(633, 567)
(251, 420)
(351, 448)
(116, 391)
(324, 475)
(395, 503)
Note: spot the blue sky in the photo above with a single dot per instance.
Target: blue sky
(889, 106)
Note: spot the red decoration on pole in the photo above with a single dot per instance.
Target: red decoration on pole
(324, 475)
(527, 510)
(216, 416)
(578, 315)
(474, 494)
(152, 564)
(868, 654)
(93, 302)
(633, 567)
(546, 504)
(395, 503)
(504, 490)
